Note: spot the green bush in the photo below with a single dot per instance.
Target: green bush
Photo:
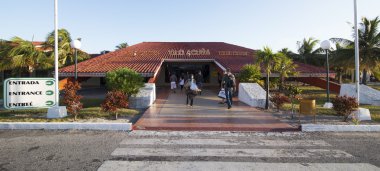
(293, 92)
(125, 80)
(344, 105)
(250, 74)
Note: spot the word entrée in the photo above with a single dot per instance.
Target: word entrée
(28, 104)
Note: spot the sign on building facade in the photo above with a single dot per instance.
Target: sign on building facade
(26, 93)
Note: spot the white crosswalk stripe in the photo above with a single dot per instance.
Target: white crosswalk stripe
(203, 152)
(172, 153)
(232, 166)
(225, 141)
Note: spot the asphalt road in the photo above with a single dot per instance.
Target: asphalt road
(88, 150)
(56, 150)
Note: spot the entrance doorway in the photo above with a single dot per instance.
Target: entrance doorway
(187, 68)
(208, 69)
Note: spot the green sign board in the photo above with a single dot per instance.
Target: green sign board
(26, 93)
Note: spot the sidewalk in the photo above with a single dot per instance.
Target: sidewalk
(171, 113)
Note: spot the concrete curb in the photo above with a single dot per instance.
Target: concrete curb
(66, 126)
(339, 128)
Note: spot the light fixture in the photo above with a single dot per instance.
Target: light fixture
(76, 44)
(326, 45)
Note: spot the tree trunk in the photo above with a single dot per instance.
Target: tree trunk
(267, 94)
(281, 83)
(340, 77)
(364, 79)
(292, 100)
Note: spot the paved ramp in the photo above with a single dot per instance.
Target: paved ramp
(171, 113)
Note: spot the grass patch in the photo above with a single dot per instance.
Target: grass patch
(96, 112)
(377, 87)
(320, 95)
(91, 110)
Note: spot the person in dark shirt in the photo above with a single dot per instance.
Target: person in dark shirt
(191, 90)
(229, 84)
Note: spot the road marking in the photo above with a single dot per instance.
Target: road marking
(241, 142)
(227, 166)
(223, 152)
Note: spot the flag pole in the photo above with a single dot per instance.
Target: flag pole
(56, 52)
(357, 54)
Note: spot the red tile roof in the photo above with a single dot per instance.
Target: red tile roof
(147, 57)
(36, 43)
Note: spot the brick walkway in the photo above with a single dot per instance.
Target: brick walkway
(170, 113)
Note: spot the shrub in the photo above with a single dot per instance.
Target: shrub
(250, 74)
(279, 100)
(294, 93)
(274, 82)
(72, 99)
(113, 101)
(125, 80)
(344, 105)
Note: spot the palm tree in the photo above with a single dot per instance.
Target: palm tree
(309, 53)
(267, 58)
(24, 55)
(369, 48)
(341, 66)
(66, 53)
(5, 47)
(122, 45)
(290, 54)
(285, 67)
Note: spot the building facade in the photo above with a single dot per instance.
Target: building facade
(155, 61)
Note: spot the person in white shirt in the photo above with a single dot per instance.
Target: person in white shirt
(181, 82)
(173, 82)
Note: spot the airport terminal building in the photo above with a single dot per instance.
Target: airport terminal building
(155, 60)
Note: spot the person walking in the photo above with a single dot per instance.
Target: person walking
(192, 90)
(181, 82)
(173, 82)
(199, 81)
(220, 77)
(229, 84)
(223, 101)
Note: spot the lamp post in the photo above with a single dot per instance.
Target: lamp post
(326, 45)
(76, 44)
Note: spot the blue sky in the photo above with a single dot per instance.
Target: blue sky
(103, 24)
